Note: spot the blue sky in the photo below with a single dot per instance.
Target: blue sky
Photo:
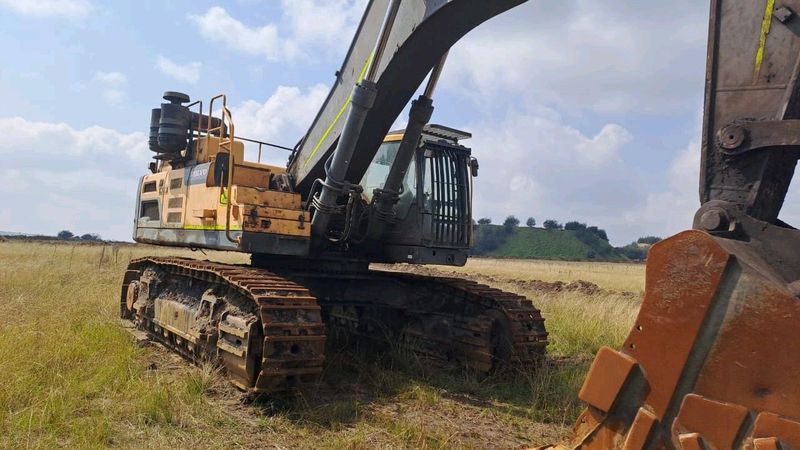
(581, 109)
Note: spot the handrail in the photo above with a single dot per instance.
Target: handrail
(226, 144)
(262, 143)
(256, 141)
(226, 141)
(227, 114)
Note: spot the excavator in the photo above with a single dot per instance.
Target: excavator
(353, 193)
(710, 362)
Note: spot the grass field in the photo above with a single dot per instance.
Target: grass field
(72, 377)
(611, 276)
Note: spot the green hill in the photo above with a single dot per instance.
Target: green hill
(538, 243)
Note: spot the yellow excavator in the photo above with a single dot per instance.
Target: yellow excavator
(353, 193)
(711, 361)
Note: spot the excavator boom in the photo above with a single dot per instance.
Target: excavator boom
(422, 32)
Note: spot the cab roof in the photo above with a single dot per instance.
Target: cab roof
(433, 131)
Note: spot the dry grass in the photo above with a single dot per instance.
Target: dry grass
(73, 378)
(611, 276)
(579, 324)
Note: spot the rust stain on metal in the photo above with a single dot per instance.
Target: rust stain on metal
(641, 429)
(682, 276)
(717, 422)
(606, 377)
(753, 362)
(772, 426)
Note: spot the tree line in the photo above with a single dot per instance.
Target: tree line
(512, 222)
(66, 235)
(637, 251)
(489, 238)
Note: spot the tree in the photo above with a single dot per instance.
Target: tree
(488, 239)
(599, 232)
(531, 222)
(574, 226)
(510, 223)
(484, 221)
(648, 240)
(65, 234)
(551, 224)
(90, 237)
(633, 252)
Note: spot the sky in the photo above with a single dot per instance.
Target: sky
(586, 110)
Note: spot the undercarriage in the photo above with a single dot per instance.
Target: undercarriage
(268, 328)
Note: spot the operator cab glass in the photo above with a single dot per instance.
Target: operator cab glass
(434, 208)
(378, 170)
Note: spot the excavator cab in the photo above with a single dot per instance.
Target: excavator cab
(433, 213)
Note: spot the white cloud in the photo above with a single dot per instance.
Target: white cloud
(670, 210)
(111, 78)
(323, 22)
(791, 212)
(70, 9)
(307, 25)
(114, 96)
(58, 140)
(217, 25)
(61, 177)
(534, 164)
(603, 56)
(281, 119)
(186, 73)
(113, 86)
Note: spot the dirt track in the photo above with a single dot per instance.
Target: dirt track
(545, 287)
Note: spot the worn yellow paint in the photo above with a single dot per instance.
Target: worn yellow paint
(277, 226)
(211, 227)
(207, 149)
(223, 198)
(339, 114)
(275, 213)
(396, 137)
(766, 24)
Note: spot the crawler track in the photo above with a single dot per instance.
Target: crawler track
(512, 326)
(264, 329)
(455, 321)
(265, 326)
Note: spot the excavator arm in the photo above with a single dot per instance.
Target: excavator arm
(713, 359)
(750, 131)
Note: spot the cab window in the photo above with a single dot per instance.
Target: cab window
(378, 170)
